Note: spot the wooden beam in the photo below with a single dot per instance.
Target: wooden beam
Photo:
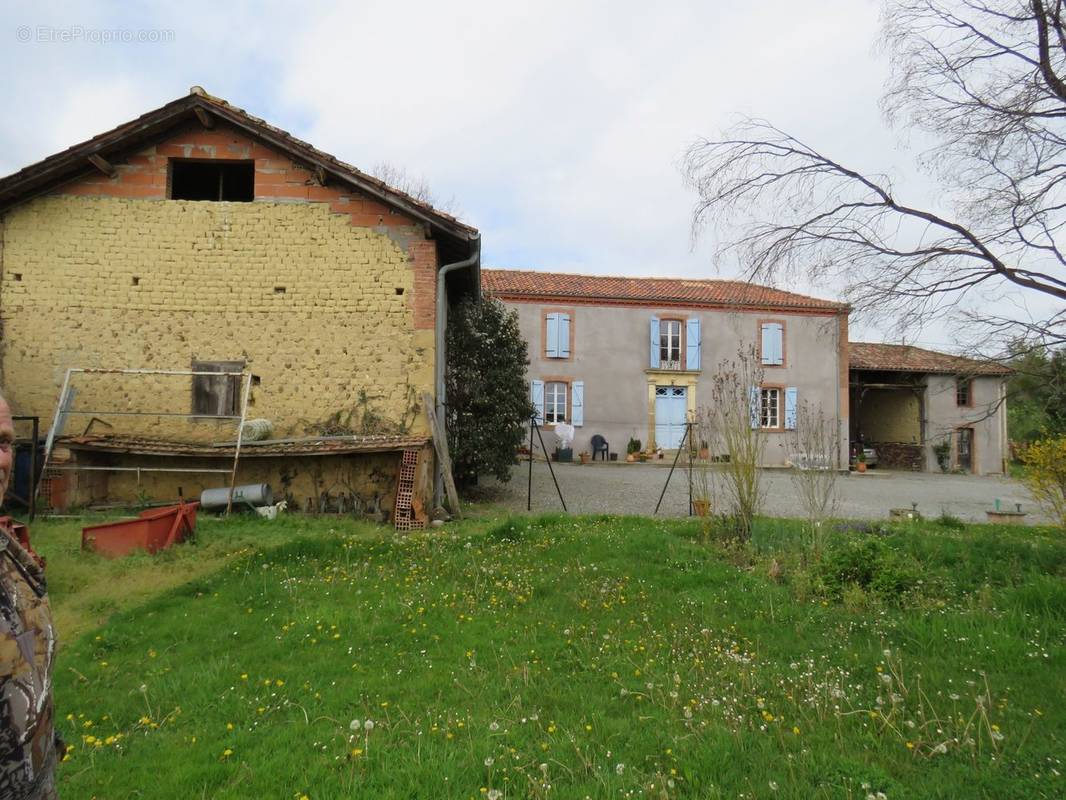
(205, 119)
(103, 165)
(440, 444)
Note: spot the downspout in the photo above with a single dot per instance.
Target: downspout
(441, 344)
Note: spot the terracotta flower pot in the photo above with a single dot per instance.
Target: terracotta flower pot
(860, 466)
(701, 507)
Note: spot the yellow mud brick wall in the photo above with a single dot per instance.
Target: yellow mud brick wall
(310, 301)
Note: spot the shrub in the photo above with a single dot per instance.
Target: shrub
(488, 397)
(870, 564)
(1045, 475)
(949, 521)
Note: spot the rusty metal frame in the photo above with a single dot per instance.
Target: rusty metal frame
(66, 398)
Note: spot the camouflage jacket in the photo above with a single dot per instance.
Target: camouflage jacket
(27, 653)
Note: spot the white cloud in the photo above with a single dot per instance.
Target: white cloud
(558, 127)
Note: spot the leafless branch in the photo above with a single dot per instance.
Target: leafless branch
(986, 80)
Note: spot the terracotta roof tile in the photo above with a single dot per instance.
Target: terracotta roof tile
(907, 358)
(522, 284)
(307, 446)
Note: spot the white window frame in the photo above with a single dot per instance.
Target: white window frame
(555, 392)
(670, 344)
(770, 398)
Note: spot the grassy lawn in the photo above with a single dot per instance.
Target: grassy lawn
(564, 657)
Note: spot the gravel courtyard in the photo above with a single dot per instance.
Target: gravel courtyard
(634, 489)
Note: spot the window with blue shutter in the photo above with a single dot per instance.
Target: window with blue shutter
(772, 345)
(552, 331)
(577, 403)
(692, 344)
(654, 342)
(536, 396)
(557, 334)
(791, 395)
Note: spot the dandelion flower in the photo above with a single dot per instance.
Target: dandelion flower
(368, 725)
(354, 725)
(619, 768)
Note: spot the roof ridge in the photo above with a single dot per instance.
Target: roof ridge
(509, 281)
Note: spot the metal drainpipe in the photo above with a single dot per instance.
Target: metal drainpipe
(441, 348)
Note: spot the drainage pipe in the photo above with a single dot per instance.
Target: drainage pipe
(441, 342)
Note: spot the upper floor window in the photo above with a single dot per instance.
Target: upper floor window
(219, 179)
(675, 343)
(963, 392)
(772, 344)
(557, 334)
(670, 344)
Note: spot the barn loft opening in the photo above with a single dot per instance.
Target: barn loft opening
(212, 180)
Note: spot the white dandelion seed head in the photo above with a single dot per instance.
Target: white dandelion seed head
(354, 725)
(368, 725)
(619, 768)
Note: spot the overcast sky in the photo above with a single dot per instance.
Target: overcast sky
(557, 127)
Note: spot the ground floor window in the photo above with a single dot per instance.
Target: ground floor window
(770, 408)
(555, 401)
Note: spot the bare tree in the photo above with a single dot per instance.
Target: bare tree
(814, 450)
(414, 186)
(734, 431)
(987, 80)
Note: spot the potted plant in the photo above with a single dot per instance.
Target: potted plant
(701, 506)
(705, 449)
(585, 456)
(632, 449)
(860, 462)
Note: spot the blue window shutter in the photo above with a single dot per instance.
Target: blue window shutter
(654, 342)
(536, 395)
(577, 404)
(755, 407)
(772, 344)
(790, 408)
(692, 344)
(564, 335)
(552, 350)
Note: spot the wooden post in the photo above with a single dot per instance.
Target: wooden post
(440, 444)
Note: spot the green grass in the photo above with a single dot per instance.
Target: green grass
(565, 657)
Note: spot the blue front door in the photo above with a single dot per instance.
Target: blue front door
(671, 405)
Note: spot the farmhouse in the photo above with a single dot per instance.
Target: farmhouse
(634, 358)
(906, 401)
(200, 239)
